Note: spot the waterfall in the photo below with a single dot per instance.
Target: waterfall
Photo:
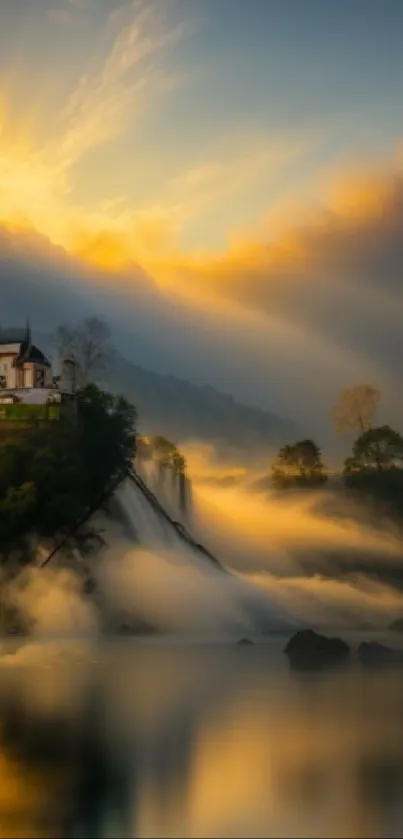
(172, 583)
(172, 489)
(151, 529)
(152, 575)
(153, 523)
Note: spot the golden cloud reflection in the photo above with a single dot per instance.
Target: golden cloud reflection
(270, 764)
(29, 800)
(236, 746)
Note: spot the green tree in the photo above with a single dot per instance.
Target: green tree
(17, 510)
(49, 480)
(163, 450)
(376, 449)
(14, 456)
(375, 469)
(299, 465)
(107, 437)
(168, 457)
(59, 475)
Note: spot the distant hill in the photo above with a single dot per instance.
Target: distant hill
(183, 411)
(42, 281)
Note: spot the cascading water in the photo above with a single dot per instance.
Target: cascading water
(168, 581)
(146, 574)
(165, 485)
(151, 529)
(155, 526)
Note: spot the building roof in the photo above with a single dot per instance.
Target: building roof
(29, 354)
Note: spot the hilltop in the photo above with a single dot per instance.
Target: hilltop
(182, 411)
(54, 287)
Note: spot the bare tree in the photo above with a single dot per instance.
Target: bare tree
(64, 339)
(88, 344)
(355, 408)
(95, 351)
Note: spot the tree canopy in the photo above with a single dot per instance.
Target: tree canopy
(163, 451)
(299, 465)
(377, 448)
(49, 479)
(107, 436)
(375, 469)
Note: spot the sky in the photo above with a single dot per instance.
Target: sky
(224, 178)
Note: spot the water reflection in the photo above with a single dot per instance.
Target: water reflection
(138, 740)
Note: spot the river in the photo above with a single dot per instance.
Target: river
(166, 738)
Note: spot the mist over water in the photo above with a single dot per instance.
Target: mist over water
(293, 561)
(130, 739)
(318, 555)
(178, 731)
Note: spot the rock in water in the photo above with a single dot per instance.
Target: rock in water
(372, 654)
(308, 650)
(135, 626)
(244, 641)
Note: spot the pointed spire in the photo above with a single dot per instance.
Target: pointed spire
(28, 337)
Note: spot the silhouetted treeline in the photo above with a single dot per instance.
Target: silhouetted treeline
(374, 469)
(49, 479)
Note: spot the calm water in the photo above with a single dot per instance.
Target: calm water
(145, 739)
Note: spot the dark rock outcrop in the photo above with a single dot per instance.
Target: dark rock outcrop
(308, 650)
(372, 654)
(135, 626)
(397, 625)
(245, 641)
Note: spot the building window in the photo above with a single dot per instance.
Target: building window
(3, 375)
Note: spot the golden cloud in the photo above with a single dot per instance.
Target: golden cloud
(310, 268)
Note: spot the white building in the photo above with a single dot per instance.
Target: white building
(23, 367)
(26, 377)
